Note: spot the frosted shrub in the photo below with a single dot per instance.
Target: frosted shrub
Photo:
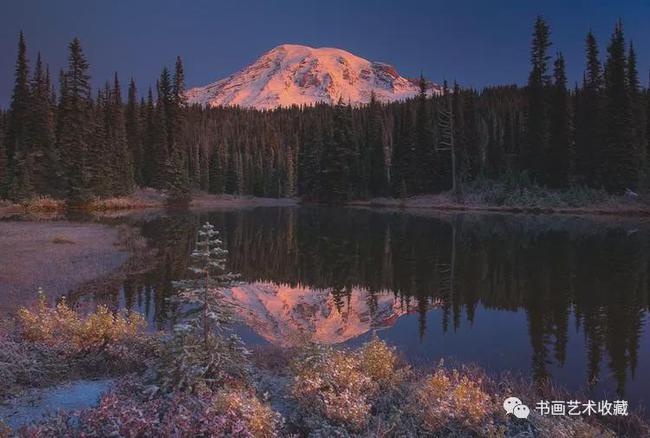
(203, 350)
(63, 325)
(378, 361)
(448, 398)
(333, 385)
(259, 418)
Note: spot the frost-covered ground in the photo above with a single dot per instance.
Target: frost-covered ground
(35, 404)
(56, 256)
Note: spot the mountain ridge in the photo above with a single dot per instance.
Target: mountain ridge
(293, 74)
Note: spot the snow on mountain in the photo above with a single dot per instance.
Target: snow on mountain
(281, 314)
(300, 75)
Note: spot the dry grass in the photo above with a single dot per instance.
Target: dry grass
(43, 204)
(62, 240)
(122, 203)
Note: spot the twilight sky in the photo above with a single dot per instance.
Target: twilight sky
(476, 42)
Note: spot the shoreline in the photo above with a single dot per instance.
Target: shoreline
(64, 258)
(153, 200)
(579, 211)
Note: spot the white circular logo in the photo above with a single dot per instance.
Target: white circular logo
(510, 403)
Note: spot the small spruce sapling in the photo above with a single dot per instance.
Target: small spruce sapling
(202, 348)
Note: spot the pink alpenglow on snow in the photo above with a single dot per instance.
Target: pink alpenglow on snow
(299, 75)
(280, 313)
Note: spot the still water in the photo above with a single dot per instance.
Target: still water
(546, 297)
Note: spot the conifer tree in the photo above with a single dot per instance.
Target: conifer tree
(589, 119)
(337, 156)
(378, 179)
(216, 180)
(309, 161)
(178, 183)
(402, 152)
(538, 102)
(75, 125)
(620, 154)
(42, 138)
(123, 169)
(636, 104)
(3, 154)
(17, 134)
(134, 135)
(421, 175)
(203, 349)
(647, 130)
(560, 147)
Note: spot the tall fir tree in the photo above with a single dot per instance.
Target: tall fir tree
(619, 153)
(403, 152)
(216, 174)
(123, 168)
(647, 130)
(42, 140)
(421, 175)
(560, 146)
(309, 161)
(99, 153)
(178, 182)
(75, 125)
(134, 132)
(337, 156)
(3, 155)
(636, 105)
(589, 119)
(538, 102)
(17, 184)
(378, 177)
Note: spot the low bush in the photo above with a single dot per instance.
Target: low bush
(259, 418)
(63, 325)
(125, 412)
(332, 385)
(448, 398)
(519, 191)
(55, 343)
(121, 203)
(43, 204)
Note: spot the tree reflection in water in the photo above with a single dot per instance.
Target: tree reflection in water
(554, 269)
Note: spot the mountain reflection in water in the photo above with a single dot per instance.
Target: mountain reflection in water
(552, 297)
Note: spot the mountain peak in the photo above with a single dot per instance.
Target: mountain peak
(293, 74)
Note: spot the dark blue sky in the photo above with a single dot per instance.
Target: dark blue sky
(476, 42)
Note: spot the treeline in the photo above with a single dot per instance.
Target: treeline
(73, 144)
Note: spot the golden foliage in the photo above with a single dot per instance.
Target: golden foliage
(340, 385)
(61, 324)
(261, 420)
(447, 397)
(378, 361)
(43, 204)
(121, 203)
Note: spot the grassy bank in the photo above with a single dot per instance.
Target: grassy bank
(301, 390)
(522, 197)
(141, 199)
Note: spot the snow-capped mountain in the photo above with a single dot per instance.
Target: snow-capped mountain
(300, 75)
(282, 314)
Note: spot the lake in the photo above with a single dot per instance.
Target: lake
(547, 297)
